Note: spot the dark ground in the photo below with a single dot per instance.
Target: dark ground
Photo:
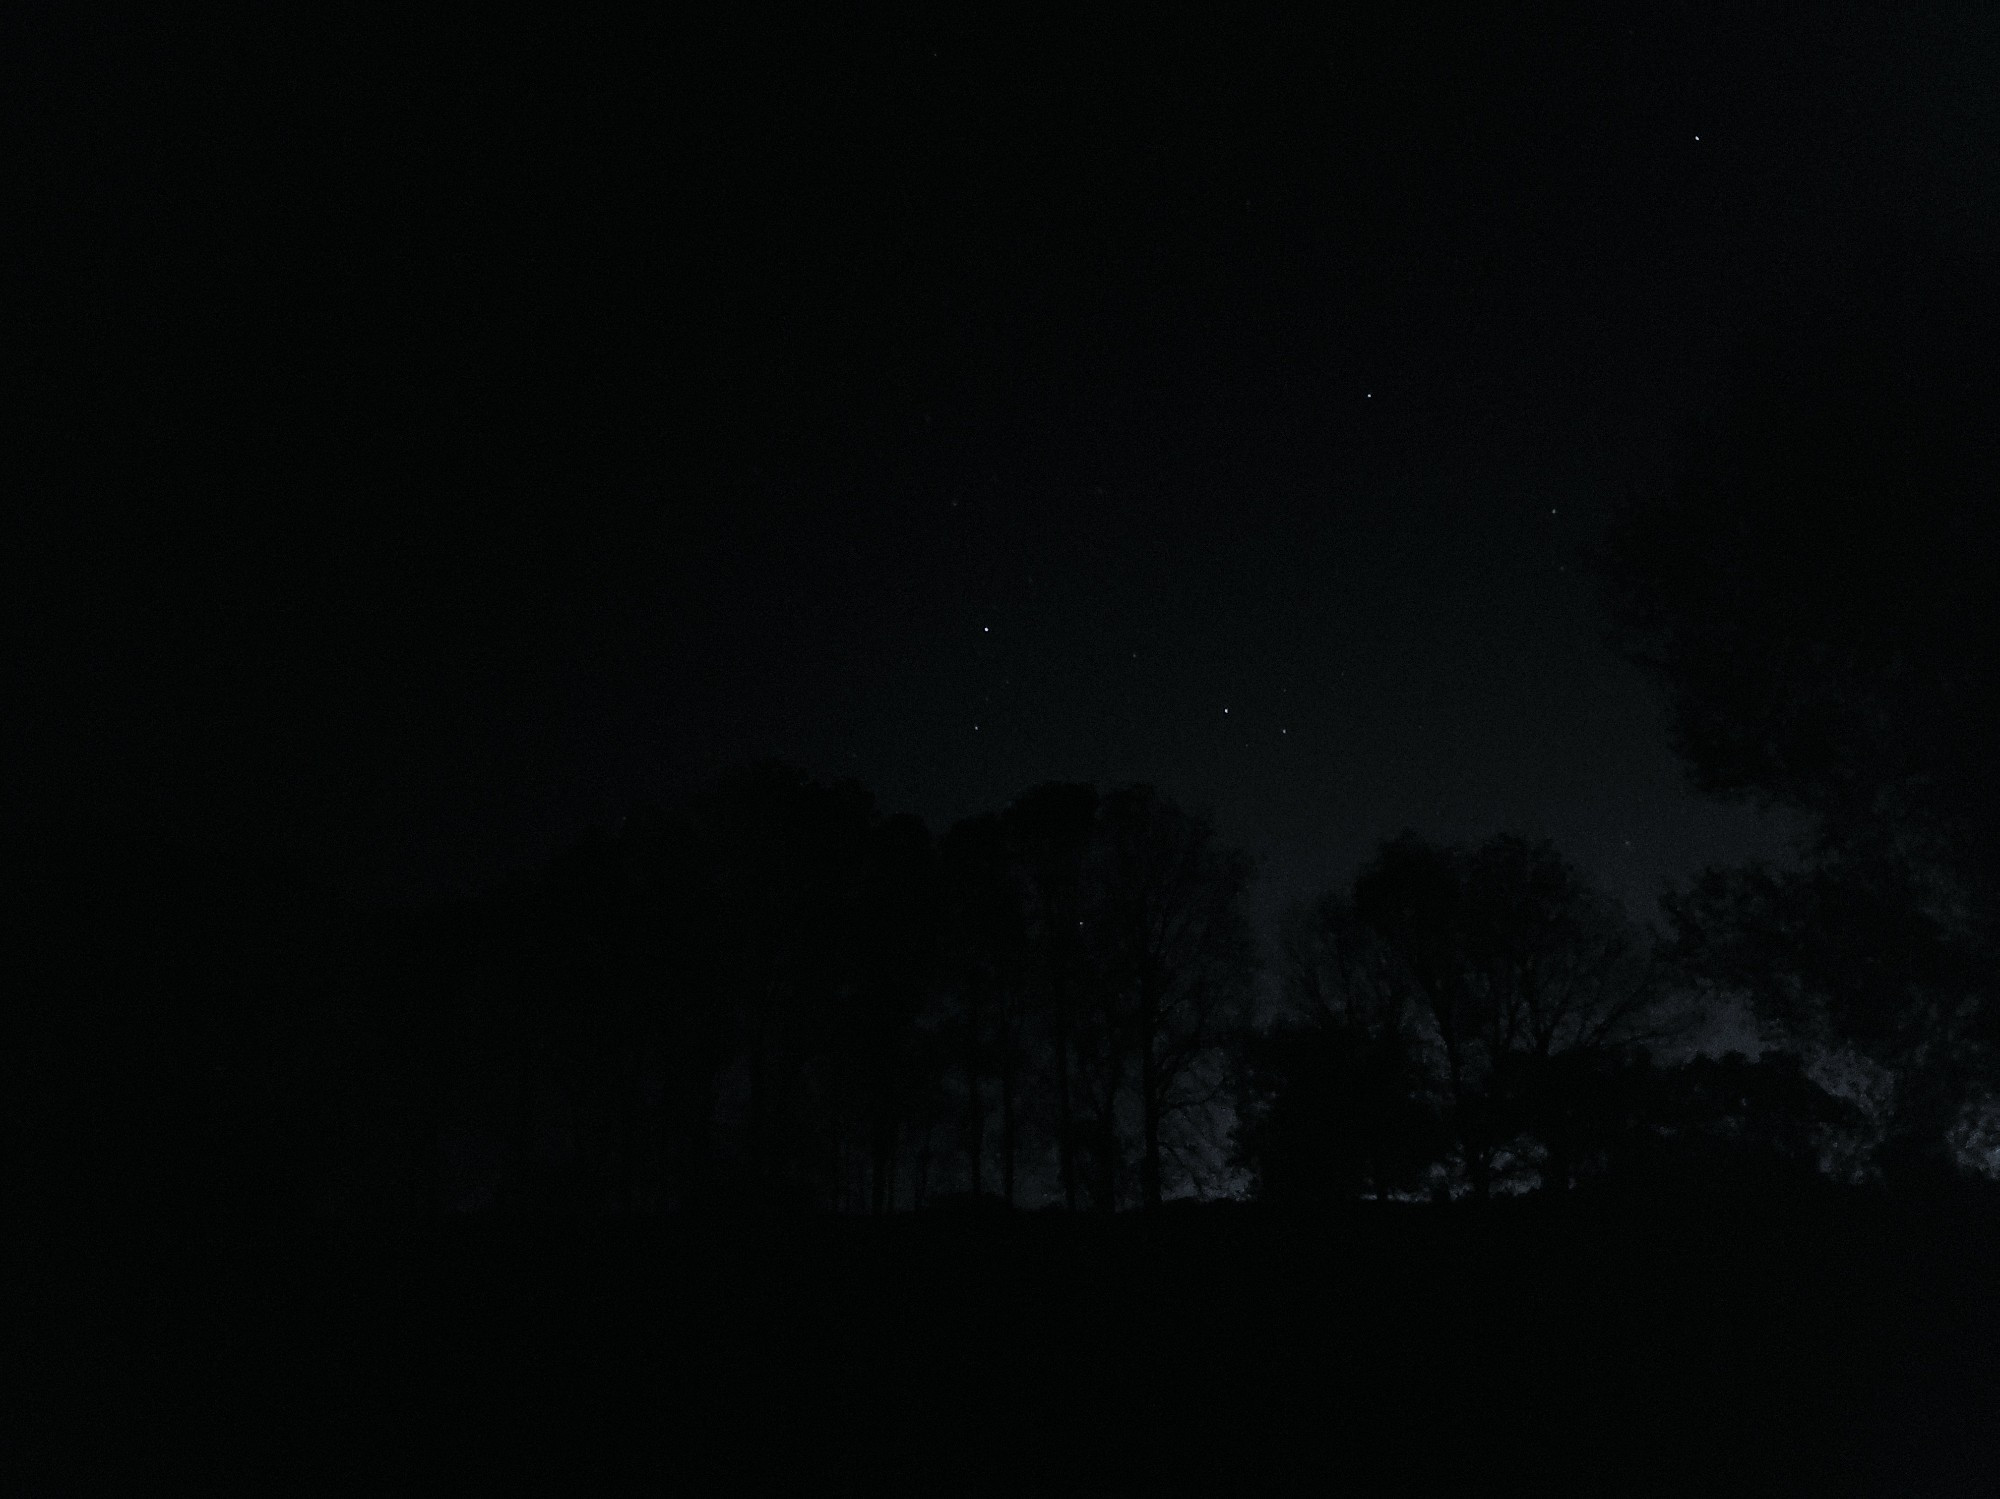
(1824, 1343)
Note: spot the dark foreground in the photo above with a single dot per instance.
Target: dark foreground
(1824, 1344)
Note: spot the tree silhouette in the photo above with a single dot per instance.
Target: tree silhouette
(1333, 1100)
(1173, 958)
(1479, 987)
(1336, 1097)
(1564, 981)
(182, 1022)
(1765, 1116)
(1049, 831)
(895, 931)
(781, 998)
(1413, 899)
(788, 859)
(985, 954)
(1854, 951)
(1811, 596)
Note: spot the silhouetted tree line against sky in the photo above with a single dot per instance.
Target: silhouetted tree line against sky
(781, 997)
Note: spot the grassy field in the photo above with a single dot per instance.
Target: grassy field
(1820, 1342)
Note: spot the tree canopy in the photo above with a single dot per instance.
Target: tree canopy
(1811, 595)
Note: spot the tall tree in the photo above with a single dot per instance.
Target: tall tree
(680, 967)
(1566, 981)
(1413, 899)
(1049, 831)
(787, 855)
(893, 966)
(1174, 961)
(985, 942)
(1334, 1100)
(1514, 961)
(1811, 595)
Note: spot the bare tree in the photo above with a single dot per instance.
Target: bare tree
(1515, 960)
(1049, 831)
(1174, 959)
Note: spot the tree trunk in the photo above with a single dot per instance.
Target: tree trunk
(521, 1133)
(1065, 1125)
(1007, 1128)
(1559, 1170)
(1107, 1150)
(1149, 1105)
(1478, 1166)
(882, 1150)
(756, 1107)
(628, 1155)
(1481, 1170)
(697, 1175)
(975, 1120)
(631, 1131)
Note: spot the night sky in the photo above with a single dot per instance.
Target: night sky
(440, 441)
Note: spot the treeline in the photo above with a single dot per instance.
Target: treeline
(776, 997)
(780, 997)
(1467, 1021)
(783, 997)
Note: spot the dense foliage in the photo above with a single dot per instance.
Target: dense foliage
(1812, 594)
(781, 998)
